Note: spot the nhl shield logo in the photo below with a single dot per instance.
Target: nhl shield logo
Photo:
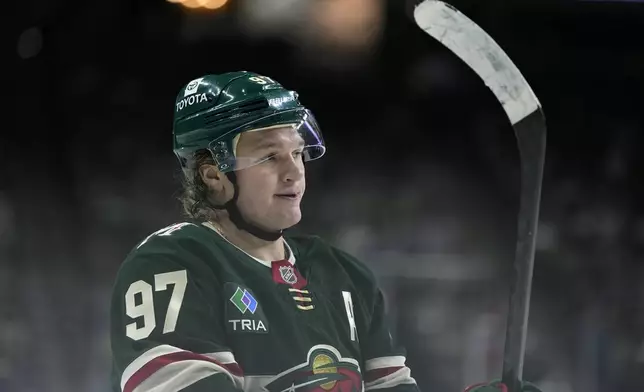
(285, 273)
(288, 274)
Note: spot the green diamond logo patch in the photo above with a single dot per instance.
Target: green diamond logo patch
(244, 301)
(245, 315)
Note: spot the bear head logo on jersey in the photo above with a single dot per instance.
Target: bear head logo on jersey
(324, 371)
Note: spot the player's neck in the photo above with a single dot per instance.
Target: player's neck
(256, 247)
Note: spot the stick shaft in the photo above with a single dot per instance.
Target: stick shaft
(531, 138)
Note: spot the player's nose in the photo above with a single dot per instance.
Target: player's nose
(293, 170)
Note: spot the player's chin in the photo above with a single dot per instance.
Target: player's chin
(289, 217)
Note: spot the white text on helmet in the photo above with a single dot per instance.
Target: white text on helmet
(276, 102)
(191, 100)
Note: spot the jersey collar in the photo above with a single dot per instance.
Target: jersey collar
(291, 255)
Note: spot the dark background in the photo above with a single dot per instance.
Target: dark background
(420, 180)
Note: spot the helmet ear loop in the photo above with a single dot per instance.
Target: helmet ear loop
(222, 156)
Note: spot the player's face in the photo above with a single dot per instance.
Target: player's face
(270, 192)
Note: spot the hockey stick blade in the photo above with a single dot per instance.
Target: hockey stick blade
(486, 58)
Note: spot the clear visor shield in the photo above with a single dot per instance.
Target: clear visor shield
(294, 133)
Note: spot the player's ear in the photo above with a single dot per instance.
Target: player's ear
(212, 177)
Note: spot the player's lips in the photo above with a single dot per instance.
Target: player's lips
(289, 195)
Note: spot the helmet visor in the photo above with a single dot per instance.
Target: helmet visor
(294, 132)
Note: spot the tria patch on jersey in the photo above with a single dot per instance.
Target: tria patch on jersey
(247, 325)
(325, 370)
(243, 311)
(285, 273)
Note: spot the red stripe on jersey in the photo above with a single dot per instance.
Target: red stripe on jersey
(373, 375)
(157, 363)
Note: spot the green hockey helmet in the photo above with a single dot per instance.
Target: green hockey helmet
(211, 112)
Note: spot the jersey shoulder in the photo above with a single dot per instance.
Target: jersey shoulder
(188, 235)
(179, 245)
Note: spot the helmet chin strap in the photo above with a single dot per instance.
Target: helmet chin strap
(238, 220)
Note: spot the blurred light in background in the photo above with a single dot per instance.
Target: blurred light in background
(347, 23)
(338, 24)
(278, 17)
(207, 4)
(346, 32)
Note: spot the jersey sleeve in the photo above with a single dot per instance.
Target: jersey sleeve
(166, 330)
(384, 360)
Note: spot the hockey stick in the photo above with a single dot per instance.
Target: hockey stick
(479, 51)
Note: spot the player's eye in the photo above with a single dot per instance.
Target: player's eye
(269, 157)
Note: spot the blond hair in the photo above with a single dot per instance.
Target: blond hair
(196, 196)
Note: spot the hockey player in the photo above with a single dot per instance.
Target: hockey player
(229, 301)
